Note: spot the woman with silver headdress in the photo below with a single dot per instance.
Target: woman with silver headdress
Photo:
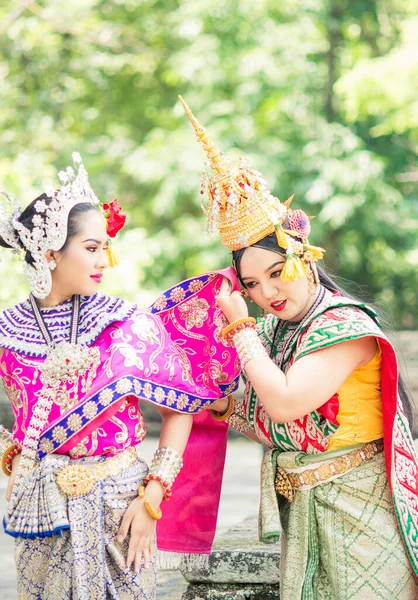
(322, 395)
(82, 507)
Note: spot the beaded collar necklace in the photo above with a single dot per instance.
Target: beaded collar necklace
(291, 332)
(68, 368)
(43, 327)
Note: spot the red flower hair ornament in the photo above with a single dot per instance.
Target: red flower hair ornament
(115, 221)
(115, 218)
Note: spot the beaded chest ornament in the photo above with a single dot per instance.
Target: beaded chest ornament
(68, 367)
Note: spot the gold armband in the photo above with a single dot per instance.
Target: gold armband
(229, 411)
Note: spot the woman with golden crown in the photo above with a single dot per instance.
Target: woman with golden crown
(339, 482)
(82, 506)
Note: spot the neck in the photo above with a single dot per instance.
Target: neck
(53, 300)
(303, 312)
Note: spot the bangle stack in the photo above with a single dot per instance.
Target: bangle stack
(248, 346)
(7, 458)
(230, 330)
(230, 409)
(165, 467)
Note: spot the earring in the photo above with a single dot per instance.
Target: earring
(245, 294)
(52, 265)
(312, 278)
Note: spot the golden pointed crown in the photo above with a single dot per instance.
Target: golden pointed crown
(241, 209)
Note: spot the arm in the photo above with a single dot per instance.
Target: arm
(310, 382)
(175, 431)
(237, 419)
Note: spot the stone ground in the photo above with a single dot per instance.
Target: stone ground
(240, 499)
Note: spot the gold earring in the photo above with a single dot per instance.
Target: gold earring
(312, 277)
(245, 294)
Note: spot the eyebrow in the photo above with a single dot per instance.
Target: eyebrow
(280, 262)
(93, 240)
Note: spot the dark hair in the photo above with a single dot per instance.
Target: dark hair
(30, 211)
(333, 285)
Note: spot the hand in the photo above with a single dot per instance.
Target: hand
(231, 303)
(11, 482)
(142, 527)
(219, 405)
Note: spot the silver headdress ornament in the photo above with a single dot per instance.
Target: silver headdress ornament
(50, 224)
(10, 209)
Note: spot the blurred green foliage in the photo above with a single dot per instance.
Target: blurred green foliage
(320, 94)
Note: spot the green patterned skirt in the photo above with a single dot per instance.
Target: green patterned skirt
(340, 540)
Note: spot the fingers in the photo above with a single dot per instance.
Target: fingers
(147, 558)
(132, 551)
(9, 489)
(124, 526)
(236, 294)
(226, 287)
(152, 550)
(144, 551)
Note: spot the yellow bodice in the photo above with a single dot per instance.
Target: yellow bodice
(360, 406)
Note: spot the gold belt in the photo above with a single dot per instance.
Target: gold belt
(304, 478)
(78, 480)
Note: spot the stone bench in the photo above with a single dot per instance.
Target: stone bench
(240, 568)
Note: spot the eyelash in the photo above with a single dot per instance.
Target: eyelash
(272, 275)
(94, 248)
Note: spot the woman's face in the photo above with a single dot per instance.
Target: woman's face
(80, 266)
(260, 272)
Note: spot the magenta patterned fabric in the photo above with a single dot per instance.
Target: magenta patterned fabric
(174, 358)
(171, 355)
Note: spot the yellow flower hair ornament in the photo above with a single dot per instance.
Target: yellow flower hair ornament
(293, 269)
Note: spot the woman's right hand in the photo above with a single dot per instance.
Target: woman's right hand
(231, 303)
(12, 477)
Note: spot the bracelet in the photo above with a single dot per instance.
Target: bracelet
(7, 457)
(238, 325)
(238, 420)
(153, 513)
(248, 346)
(165, 467)
(167, 488)
(230, 409)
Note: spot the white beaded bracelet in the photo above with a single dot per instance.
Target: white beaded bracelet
(248, 345)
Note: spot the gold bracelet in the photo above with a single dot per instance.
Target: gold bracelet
(7, 457)
(234, 324)
(229, 411)
(151, 511)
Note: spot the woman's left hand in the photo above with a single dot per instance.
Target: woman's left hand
(142, 526)
(231, 303)
(11, 481)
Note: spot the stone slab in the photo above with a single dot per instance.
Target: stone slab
(229, 592)
(238, 558)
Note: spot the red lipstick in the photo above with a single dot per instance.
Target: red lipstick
(97, 278)
(279, 305)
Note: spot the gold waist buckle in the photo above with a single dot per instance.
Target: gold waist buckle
(289, 480)
(80, 479)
